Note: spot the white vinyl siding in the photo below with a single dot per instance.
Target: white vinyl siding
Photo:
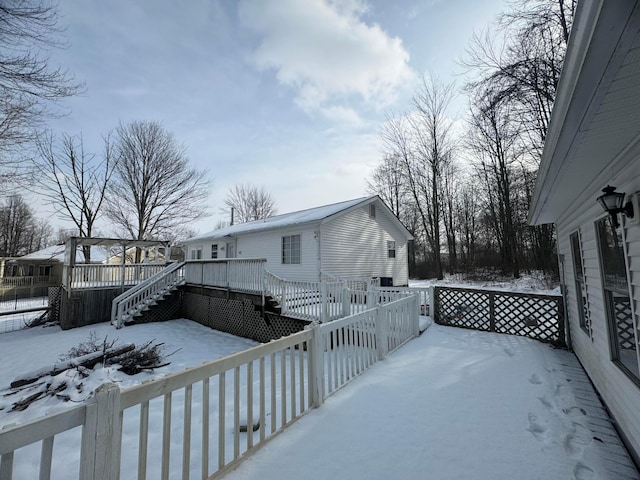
(355, 245)
(268, 244)
(619, 392)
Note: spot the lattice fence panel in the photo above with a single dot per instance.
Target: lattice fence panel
(463, 308)
(535, 316)
(624, 323)
(529, 316)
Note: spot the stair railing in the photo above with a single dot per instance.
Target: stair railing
(144, 293)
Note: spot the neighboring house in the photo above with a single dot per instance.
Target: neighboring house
(594, 141)
(356, 238)
(45, 265)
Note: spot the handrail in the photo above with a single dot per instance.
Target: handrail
(143, 291)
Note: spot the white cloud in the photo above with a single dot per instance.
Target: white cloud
(326, 52)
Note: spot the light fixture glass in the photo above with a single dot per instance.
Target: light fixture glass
(612, 202)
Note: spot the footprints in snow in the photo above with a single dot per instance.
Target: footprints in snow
(575, 441)
(583, 472)
(535, 379)
(575, 436)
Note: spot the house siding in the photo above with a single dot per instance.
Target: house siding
(620, 393)
(355, 245)
(268, 244)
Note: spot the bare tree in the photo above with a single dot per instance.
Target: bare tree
(493, 138)
(73, 181)
(29, 85)
(16, 221)
(153, 192)
(520, 63)
(249, 202)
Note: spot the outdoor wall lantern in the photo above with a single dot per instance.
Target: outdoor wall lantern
(612, 202)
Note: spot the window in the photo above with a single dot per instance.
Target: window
(391, 248)
(617, 299)
(214, 250)
(581, 286)
(291, 249)
(44, 270)
(372, 210)
(196, 253)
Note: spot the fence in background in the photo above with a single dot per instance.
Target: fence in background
(536, 316)
(235, 404)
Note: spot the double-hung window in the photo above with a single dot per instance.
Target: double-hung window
(196, 253)
(214, 250)
(291, 249)
(581, 286)
(617, 298)
(391, 248)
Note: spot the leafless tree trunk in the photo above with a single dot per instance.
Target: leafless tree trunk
(16, 220)
(73, 181)
(249, 203)
(153, 192)
(493, 139)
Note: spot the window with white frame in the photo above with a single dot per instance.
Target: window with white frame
(196, 253)
(617, 298)
(291, 249)
(391, 248)
(214, 250)
(581, 286)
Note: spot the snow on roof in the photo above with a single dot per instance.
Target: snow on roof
(284, 220)
(56, 252)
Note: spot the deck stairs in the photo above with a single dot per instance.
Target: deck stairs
(132, 304)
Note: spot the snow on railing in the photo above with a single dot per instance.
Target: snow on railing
(242, 274)
(135, 299)
(205, 420)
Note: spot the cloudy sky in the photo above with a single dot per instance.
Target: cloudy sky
(289, 94)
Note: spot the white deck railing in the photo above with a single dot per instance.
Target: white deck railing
(128, 303)
(246, 275)
(86, 276)
(192, 420)
(320, 301)
(24, 281)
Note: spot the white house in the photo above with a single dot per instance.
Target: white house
(356, 238)
(594, 142)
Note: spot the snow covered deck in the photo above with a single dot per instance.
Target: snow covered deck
(455, 404)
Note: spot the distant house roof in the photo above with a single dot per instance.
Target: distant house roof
(316, 214)
(56, 253)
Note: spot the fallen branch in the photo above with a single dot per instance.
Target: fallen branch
(88, 361)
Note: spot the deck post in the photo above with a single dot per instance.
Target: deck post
(324, 316)
(381, 333)
(101, 436)
(316, 360)
(346, 302)
(416, 314)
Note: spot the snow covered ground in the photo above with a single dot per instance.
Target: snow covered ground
(525, 284)
(32, 349)
(16, 321)
(452, 404)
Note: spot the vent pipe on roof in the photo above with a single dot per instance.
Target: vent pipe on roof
(233, 211)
